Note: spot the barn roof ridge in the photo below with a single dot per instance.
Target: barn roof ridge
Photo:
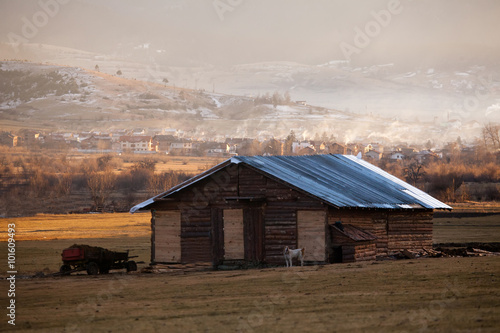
(339, 180)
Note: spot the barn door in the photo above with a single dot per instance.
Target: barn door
(311, 234)
(234, 244)
(254, 234)
(166, 238)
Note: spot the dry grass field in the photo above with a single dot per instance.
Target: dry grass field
(40, 239)
(187, 164)
(438, 295)
(467, 229)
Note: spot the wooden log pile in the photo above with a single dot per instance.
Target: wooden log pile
(177, 268)
(453, 252)
(481, 253)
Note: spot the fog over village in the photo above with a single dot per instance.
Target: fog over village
(404, 71)
(357, 140)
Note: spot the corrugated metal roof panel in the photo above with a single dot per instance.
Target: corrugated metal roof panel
(339, 180)
(344, 181)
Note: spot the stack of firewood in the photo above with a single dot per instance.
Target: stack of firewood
(454, 252)
(177, 268)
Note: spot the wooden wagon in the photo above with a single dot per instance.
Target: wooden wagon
(95, 260)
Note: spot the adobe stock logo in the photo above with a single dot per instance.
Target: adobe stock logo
(372, 29)
(30, 28)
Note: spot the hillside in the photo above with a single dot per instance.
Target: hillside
(52, 97)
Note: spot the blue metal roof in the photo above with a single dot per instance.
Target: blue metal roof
(343, 181)
(339, 180)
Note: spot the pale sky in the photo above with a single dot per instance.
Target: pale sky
(224, 32)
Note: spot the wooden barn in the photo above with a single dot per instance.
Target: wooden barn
(247, 209)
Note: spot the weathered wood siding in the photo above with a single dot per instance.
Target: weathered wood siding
(353, 250)
(234, 244)
(280, 231)
(167, 236)
(196, 244)
(280, 218)
(254, 234)
(374, 221)
(409, 230)
(395, 229)
(365, 251)
(271, 215)
(358, 252)
(311, 233)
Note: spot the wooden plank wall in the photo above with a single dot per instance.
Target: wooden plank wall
(311, 233)
(380, 230)
(395, 230)
(167, 236)
(360, 251)
(201, 207)
(409, 230)
(202, 239)
(234, 245)
(280, 218)
(254, 234)
(370, 220)
(280, 231)
(365, 251)
(196, 227)
(251, 183)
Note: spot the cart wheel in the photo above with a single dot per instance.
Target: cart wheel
(65, 269)
(92, 268)
(131, 266)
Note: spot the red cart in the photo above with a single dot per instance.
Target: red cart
(95, 260)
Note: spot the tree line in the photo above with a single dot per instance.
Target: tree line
(48, 183)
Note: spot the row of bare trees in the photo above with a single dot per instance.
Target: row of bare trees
(117, 182)
(101, 183)
(491, 135)
(449, 179)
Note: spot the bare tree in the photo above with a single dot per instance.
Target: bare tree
(491, 135)
(101, 185)
(64, 184)
(413, 172)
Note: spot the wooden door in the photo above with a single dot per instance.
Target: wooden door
(166, 239)
(254, 234)
(234, 244)
(311, 234)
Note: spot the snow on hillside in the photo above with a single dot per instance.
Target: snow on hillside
(361, 108)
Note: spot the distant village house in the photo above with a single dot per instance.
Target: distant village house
(137, 143)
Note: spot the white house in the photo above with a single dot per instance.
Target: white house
(298, 146)
(137, 143)
(397, 156)
(181, 148)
